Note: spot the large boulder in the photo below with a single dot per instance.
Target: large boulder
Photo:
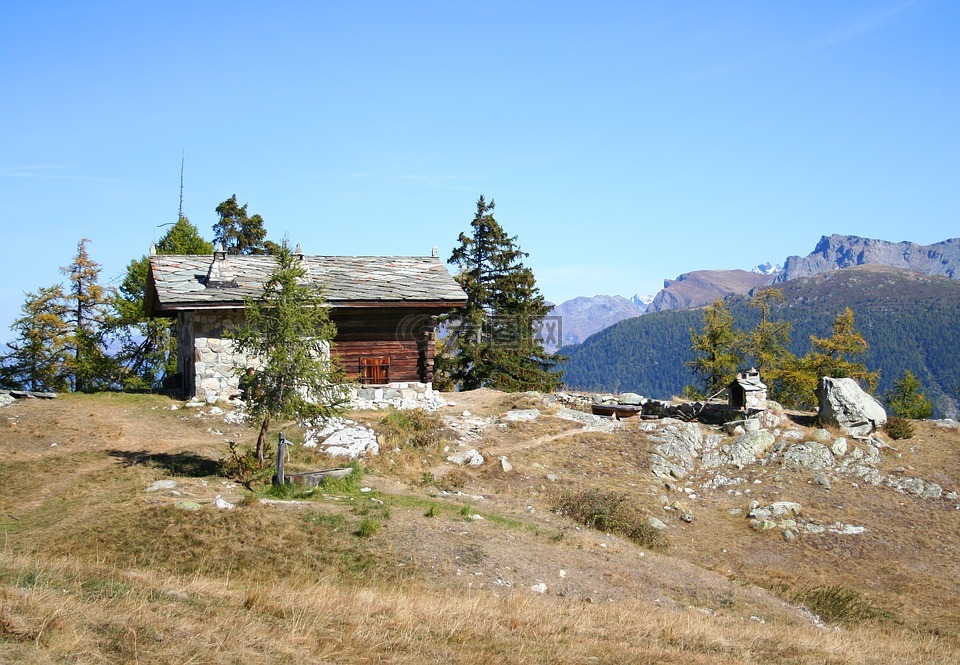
(844, 404)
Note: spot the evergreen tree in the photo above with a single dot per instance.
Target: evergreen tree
(906, 400)
(147, 346)
(89, 367)
(716, 350)
(239, 233)
(492, 341)
(286, 337)
(767, 342)
(38, 356)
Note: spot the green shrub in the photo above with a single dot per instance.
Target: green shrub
(906, 400)
(899, 428)
(416, 428)
(837, 604)
(368, 527)
(610, 512)
(244, 467)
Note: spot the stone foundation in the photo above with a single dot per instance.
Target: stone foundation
(395, 395)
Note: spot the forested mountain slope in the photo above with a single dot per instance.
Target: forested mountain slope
(911, 321)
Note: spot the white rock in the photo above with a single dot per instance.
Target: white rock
(161, 485)
(223, 504)
(470, 457)
(539, 587)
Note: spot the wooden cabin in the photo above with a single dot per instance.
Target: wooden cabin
(384, 307)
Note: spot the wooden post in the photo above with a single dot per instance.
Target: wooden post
(281, 454)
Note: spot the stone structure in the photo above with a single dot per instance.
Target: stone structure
(747, 392)
(384, 307)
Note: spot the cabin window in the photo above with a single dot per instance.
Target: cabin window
(375, 370)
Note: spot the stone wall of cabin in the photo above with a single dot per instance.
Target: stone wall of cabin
(214, 356)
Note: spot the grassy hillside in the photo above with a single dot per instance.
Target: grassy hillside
(442, 564)
(911, 321)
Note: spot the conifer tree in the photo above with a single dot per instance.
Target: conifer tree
(716, 350)
(493, 342)
(906, 400)
(286, 338)
(239, 233)
(146, 346)
(89, 367)
(38, 356)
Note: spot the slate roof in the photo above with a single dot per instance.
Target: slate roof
(179, 282)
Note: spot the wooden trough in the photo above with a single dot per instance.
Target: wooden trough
(617, 411)
(314, 478)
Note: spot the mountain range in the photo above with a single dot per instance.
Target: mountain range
(585, 316)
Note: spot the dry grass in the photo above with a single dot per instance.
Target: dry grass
(95, 570)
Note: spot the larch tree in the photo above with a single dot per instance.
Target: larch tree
(767, 343)
(493, 340)
(716, 351)
(89, 367)
(38, 357)
(286, 337)
(239, 233)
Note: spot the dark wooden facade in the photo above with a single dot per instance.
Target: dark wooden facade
(402, 338)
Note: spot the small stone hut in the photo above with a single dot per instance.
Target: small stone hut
(384, 307)
(747, 392)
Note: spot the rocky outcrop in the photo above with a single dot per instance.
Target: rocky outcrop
(843, 404)
(842, 251)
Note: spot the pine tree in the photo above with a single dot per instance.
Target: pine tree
(716, 350)
(89, 367)
(286, 337)
(38, 356)
(906, 400)
(146, 346)
(493, 341)
(239, 233)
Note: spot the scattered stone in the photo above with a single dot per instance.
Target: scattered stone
(552, 477)
(539, 587)
(188, 505)
(656, 524)
(822, 480)
(470, 457)
(223, 504)
(505, 466)
(839, 447)
(687, 517)
(808, 456)
(521, 415)
(161, 485)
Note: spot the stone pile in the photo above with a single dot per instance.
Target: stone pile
(395, 395)
(343, 438)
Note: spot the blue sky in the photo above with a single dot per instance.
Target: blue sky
(624, 142)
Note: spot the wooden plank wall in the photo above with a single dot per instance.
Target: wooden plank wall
(398, 334)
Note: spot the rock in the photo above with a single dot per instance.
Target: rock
(470, 457)
(763, 525)
(589, 421)
(161, 485)
(748, 447)
(822, 480)
(664, 468)
(505, 466)
(521, 415)
(656, 524)
(687, 517)
(632, 399)
(844, 404)
(347, 440)
(822, 436)
(839, 447)
(788, 535)
(188, 505)
(223, 504)
(539, 587)
(6, 400)
(552, 477)
(808, 456)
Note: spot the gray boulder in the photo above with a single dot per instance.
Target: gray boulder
(808, 456)
(845, 405)
(751, 445)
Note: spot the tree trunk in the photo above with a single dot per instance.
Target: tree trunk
(262, 439)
